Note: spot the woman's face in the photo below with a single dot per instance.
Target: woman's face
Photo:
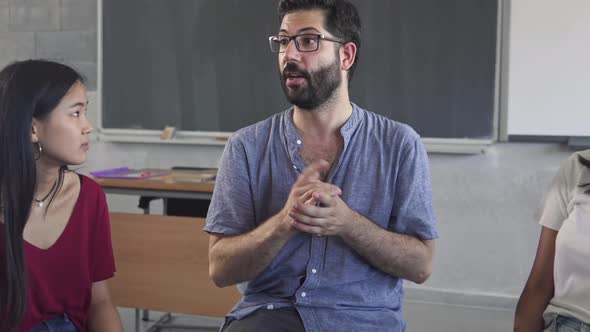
(63, 134)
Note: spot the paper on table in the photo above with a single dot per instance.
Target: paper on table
(127, 173)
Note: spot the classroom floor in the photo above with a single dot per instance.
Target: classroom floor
(420, 316)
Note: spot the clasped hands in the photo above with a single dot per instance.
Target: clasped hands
(316, 207)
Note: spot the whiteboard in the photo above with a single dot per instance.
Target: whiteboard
(549, 68)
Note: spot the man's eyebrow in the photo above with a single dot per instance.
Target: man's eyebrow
(308, 29)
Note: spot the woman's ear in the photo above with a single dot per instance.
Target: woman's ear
(34, 132)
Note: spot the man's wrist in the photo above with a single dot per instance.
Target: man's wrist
(355, 224)
(284, 222)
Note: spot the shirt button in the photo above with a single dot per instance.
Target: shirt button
(303, 294)
(270, 307)
(298, 142)
(314, 271)
(294, 167)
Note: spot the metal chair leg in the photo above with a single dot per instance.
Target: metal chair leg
(137, 322)
(145, 315)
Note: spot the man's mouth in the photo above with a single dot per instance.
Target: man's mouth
(293, 79)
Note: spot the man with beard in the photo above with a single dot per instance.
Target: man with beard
(320, 211)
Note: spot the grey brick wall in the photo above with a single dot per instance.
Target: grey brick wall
(62, 30)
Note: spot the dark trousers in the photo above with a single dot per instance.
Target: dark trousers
(264, 320)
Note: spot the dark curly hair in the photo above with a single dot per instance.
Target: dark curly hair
(342, 20)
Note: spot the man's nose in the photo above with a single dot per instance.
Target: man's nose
(291, 51)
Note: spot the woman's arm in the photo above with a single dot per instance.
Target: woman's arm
(539, 288)
(103, 315)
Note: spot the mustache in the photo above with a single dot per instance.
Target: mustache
(293, 68)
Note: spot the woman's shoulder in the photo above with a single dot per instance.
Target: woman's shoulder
(89, 182)
(89, 188)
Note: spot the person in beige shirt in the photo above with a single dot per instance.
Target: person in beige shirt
(556, 296)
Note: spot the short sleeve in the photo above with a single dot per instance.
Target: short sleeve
(556, 200)
(231, 211)
(103, 266)
(412, 211)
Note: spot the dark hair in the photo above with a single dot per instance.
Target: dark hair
(342, 20)
(586, 163)
(28, 89)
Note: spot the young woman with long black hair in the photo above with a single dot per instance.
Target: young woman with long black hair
(55, 246)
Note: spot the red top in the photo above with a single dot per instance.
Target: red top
(60, 278)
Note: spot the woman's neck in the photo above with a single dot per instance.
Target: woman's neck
(46, 179)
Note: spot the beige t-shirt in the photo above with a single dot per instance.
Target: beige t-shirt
(567, 210)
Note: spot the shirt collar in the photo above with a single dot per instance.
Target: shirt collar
(292, 136)
(293, 141)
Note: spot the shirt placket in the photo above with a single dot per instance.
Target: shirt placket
(318, 246)
(314, 272)
(303, 295)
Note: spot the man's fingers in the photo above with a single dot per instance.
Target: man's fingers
(305, 192)
(314, 171)
(307, 228)
(322, 199)
(321, 187)
(320, 166)
(298, 210)
(335, 190)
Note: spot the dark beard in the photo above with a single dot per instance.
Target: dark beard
(320, 85)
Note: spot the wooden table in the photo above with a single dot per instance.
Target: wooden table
(177, 183)
(162, 264)
(195, 184)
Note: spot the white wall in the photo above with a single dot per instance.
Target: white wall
(549, 61)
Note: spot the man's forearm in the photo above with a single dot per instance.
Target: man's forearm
(234, 259)
(396, 254)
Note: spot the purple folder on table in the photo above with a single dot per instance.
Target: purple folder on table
(127, 173)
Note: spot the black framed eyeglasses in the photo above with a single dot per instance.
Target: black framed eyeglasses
(306, 42)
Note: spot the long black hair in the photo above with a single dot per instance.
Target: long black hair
(28, 89)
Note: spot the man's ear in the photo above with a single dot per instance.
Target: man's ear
(347, 55)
